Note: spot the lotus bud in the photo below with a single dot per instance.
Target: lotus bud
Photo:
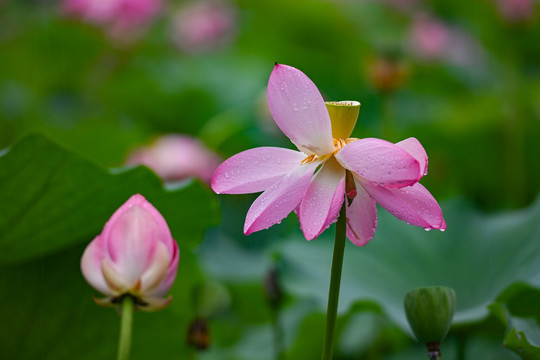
(120, 18)
(176, 157)
(516, 11)
(272, 288)
(430, 311)
(198, 335)
(135, 256)
(202, 26)
(387, 73)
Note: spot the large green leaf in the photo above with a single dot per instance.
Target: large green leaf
(519, 342)
(487, 258)
(479, 256)
(47, 312)
(51, 198)
(52, 203)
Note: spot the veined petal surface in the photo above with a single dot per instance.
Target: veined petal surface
(413, 147)
(299, 110)
(414, 204)
(280, 199)
(135, 254)
(361, 217)
(91, 267)
(166, 284)
(380, 162)
(323, 199)
(254, 170)
(130, 236)
(157, 269)
(131, 242)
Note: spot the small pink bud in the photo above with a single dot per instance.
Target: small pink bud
(201, 26)
(516, 10)
(430, 37)
(433, 40)
(176, 157)
(120, 18)
(134, 255)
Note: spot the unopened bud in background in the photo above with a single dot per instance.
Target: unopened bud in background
(176, 157)
(198, 335)
(430, 311)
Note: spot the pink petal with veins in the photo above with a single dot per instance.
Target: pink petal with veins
(131, 242)
(254, 170)
(156, 270)
(361, 218)
(299, 110)
(280, 199)
(322, 200)
(414, 204)
(167, 282)
(135, 254)
(413, 147)
(380, 162)
(91, 267)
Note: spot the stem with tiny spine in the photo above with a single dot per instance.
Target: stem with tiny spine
(127, 308)
(335, 281)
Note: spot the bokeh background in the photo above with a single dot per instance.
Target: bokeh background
(89, 89)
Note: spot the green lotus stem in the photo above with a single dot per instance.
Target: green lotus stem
(278, 336)
(335, 281)
(126, 326)
(461, 347)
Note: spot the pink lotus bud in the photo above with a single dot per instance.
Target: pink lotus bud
(516, 10)
(176, 157)
(120, 18)
(430, 37)
(134, 255)
(203, 26)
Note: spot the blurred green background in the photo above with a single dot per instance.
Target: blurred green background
(78, 95)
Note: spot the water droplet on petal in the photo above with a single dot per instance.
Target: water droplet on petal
(427, 229)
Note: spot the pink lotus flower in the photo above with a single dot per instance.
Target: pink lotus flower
(119, 17)
(516, 10)
(176, 157)
(432, 39)
(134, 255)
(312, 181)
(203, 26)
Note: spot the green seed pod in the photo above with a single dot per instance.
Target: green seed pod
(198, 335)
(430, 311)
(343, 116)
